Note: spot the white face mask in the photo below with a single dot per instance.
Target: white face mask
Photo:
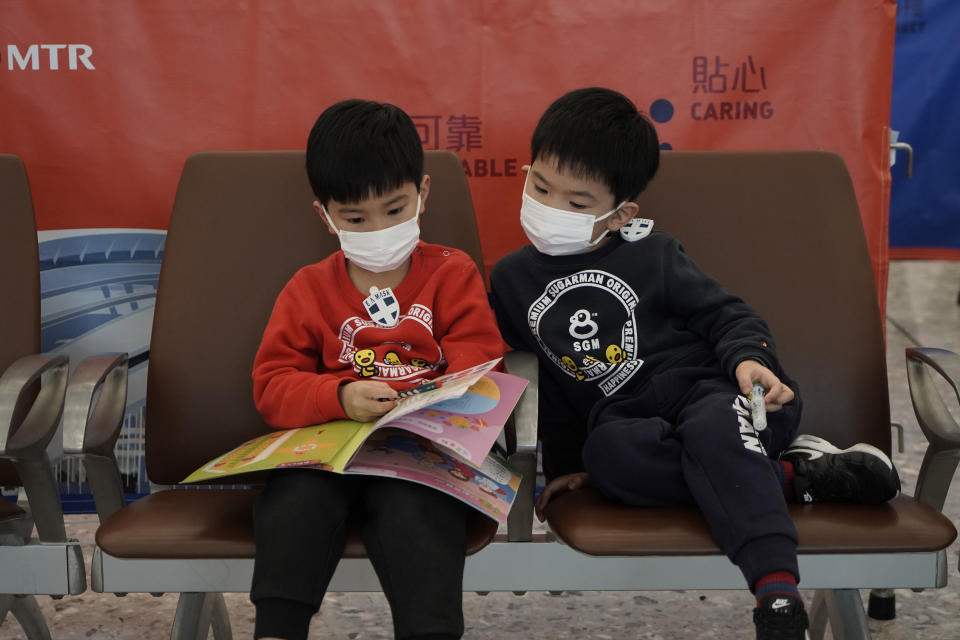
(382, 250)
(556, 232)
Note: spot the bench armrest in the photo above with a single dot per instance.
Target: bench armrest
(939, 427)
(95, 404)
(37, 409)
(522, 445)
(31, 403)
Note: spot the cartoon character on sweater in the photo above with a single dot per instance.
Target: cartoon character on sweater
(364, 360)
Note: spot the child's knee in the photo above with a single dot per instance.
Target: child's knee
(613, 449)
(399, 504)
(600, 446)
(287, 496)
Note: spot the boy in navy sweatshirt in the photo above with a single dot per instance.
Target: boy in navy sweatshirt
(647, 363)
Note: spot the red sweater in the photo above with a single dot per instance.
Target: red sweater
(321, 336)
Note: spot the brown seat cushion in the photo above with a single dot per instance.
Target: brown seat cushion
(10, 510)
(214, 524)
(592, 524)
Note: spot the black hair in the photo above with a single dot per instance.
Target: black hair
(359, 149)
(599, 133)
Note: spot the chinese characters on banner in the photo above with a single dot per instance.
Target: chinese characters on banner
(733, 87)
(463, 133)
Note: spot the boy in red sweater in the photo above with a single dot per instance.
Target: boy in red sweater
(385, 313)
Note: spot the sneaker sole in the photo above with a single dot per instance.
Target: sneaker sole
(806, 442)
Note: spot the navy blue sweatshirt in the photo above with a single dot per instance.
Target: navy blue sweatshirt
(605, 321)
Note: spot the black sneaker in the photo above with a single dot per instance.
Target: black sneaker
(824, 473)
(781, 617)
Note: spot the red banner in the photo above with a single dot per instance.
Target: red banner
(104, 100)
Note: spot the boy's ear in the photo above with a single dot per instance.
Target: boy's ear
(319, 209)
(424, 192)
(624, 214)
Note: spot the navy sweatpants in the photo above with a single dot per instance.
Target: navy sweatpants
(687, 438)
(415, 538)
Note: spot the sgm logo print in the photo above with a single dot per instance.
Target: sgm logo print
(589, 335)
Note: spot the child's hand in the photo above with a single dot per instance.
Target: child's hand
(366, 400)
(555, 487)
(777, 395)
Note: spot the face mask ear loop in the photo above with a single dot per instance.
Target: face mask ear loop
(326, 214)
(416, 214)
(603, 235)
(526, 179)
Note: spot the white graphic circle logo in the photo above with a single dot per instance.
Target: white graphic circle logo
(580, 320)
(600, 320)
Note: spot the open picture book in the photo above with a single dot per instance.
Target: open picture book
(440, 434)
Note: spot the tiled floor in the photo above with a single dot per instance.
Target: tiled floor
(922, 309)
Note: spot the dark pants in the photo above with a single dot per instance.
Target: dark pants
(415, 538)
(682, 440)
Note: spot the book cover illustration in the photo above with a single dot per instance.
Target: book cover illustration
(490, 488)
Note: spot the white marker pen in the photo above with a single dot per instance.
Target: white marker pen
(758, 407)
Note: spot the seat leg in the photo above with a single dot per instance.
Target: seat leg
(844, 609)
(27, 612)
(5, 603)
(220, 619)
(192, 620)
(818, 615)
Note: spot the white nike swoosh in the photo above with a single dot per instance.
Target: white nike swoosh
(812, 454)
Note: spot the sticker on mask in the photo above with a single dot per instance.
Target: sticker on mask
(636, 229)
(382, 306)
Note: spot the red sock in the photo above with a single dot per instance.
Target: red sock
(787, 479)
(778, 582)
